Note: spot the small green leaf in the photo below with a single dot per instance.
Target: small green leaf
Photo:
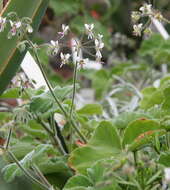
(151, 97)
(91, 109)
(78, 181)
(165, 159)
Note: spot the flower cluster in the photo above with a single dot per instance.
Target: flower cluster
(144, 11)
(17, 26)
(78, 46)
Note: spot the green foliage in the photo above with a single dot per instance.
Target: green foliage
(138, 129)
(90, 109)
(156, 47)
(105, 143)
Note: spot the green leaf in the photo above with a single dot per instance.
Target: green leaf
(35, 156)
(91, 109)
(78, 181)
(122, 120)
(105, 143)
(11, 58)
(145, 138)
(139, 128)
(151, 97)
(97, 177)
(41, 105)
(61, 7)
(101, 82)
(165, 159)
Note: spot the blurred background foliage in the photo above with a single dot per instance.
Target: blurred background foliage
(124, 54)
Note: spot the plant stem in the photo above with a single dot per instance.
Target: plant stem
(135, 158)
(8, 138)
(72, 102)
(52, 93)
(27, 174)
(74, 88)
(41, 176)
(168, 140)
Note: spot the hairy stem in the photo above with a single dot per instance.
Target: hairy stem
(74, 88)
(8, 138)
(52, 93)
(27, 174)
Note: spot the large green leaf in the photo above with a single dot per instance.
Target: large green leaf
(139, 129)
(10, 56)
(105, 143)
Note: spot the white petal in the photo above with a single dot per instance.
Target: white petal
(52, 42)
(86, 26)
(18, 24)
(62, 55)
(11, 23)
(67, 56)
(92, 26)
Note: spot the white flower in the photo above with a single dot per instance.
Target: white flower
(135, 16)
(137, 29)
(64, 30)
(64, 58)
(2, 23)
(55, 46)
(89, 30)
(81, 61)
(146, 9)
(167, 175)
(15, 26)
(100, 36)
(29, 29)
(99, 46)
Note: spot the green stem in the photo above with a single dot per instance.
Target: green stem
(52, 93)
(27, 174)
(41, 176)
(8, 138)
(72, 102)
(168, 140)
(74, 88)
(135, 158)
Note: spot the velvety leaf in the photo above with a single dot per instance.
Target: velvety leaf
(144, 139)
(123, 119)
(78, 181)
(91, 109)
(105, 143)
(139, 127)
(151, 97)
